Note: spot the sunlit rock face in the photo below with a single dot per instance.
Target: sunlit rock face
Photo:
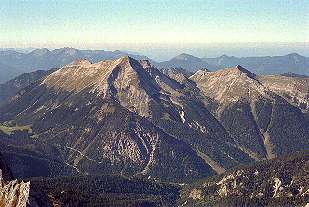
(294, 88)
(278, 182)
(13, 193)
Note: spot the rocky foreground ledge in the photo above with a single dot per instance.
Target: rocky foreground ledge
(13, 193)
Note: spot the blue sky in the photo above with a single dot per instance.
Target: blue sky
(136, 23)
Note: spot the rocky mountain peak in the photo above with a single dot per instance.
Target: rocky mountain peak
(244, 70)
(239, 71)
(125, 58)
(103, 78)
(185, 56)
(81, 62)
(229, 85)
(133, 64)
(123, 112)
(127, 61)
(82, 74)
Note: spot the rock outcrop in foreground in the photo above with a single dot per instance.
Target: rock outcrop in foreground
(13, 193)
(282, 181)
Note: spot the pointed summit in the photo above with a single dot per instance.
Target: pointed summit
(229, 85)
(81, 61)
(185, 56)
(127, 61)
(135, 64)
(101, 77)
(244, 70)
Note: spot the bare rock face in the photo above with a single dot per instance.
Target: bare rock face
(279, 182)
(13, 193)
(229, 85)
(295, 89)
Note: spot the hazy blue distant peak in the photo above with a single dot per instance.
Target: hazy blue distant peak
(40, 52)
(185, 56)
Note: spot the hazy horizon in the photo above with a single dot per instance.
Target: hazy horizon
(162, 53)
(159, 29)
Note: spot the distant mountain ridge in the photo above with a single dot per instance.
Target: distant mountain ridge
(15, 62)
(291, 63)
(185, 61)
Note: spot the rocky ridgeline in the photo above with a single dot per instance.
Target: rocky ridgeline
(13, 193)
(279, 182)
(239, 184)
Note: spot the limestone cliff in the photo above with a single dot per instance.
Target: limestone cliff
(13, 193)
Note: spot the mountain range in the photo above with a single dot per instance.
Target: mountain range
(127, 121)
(293, 62)
(90, 117)
(13, 63)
